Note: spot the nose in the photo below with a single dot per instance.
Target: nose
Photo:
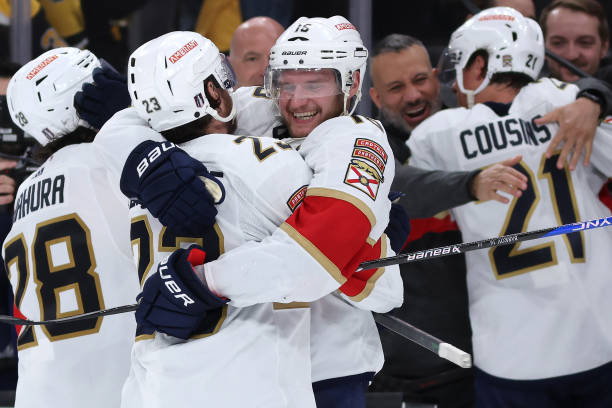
(573, 51)
(298, 98)
(411, 95)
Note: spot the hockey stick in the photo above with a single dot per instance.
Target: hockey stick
(89, 315)
(485, 243)
(377, 263)
(426, 340)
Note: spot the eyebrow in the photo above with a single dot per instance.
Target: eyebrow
(252, 54)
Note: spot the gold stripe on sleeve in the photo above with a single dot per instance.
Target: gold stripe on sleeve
(309, 247)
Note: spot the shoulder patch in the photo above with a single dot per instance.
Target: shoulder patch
(296, 198)
(363, 177)
(367, 166)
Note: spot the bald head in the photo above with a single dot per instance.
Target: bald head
(250, 49)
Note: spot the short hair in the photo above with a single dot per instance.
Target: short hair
(590, 7)
(515, 80)
(395, 43)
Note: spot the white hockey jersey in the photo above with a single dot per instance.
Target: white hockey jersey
(539, 308)
(344, 338)
(261, 350)
(68, 253)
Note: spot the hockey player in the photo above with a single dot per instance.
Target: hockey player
(539, 336)
(357, 199)
(273, 359)
(68, 251)
(254, 349)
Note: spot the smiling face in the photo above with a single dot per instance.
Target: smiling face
(405, 87)
(307, 98)
(574, 36)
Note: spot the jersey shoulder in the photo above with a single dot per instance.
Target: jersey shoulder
(258, 163)
(257, 115)
(545, 91)
(450, 118)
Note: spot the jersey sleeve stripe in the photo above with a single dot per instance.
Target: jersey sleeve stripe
(360, 284)
(290, 305)
(325, 192)
(314, 252)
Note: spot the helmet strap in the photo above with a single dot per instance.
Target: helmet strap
(213, 112)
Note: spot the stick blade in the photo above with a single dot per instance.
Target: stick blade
(455, 355)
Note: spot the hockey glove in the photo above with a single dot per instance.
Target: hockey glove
(174, 300)
(97, 102)
(399, 223)
(175, 188)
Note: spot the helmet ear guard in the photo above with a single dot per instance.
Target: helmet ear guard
(167, 77)
(40, 96)
(319, 43)
(513, 43)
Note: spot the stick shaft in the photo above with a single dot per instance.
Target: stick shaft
(426, 340)
(485, 243)
(378, 263)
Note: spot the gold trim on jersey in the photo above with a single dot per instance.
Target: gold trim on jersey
(90, 271)
(15, 259)
(313, 251)
(553, 195)
(139, 244)
(178, 241)
(54, 268)
(341, 195)
(260, 153)
(217, 326)
(515, 251)
(145, 337)
(23, 333)
(290, 305)
(365, 292)
(77, 294)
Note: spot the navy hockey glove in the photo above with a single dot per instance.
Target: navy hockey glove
(399, 223)
(175, 188)
(174, 300)
(97, 102)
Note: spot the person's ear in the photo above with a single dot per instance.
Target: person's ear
(355, 86)
(375, 96)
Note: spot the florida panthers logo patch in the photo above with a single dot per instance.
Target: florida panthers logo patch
(364, 177)
(367, 166)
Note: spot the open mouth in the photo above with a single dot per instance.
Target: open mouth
(304, 115)
(415, 113)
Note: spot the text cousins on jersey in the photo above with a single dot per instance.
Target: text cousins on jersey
(498, 135)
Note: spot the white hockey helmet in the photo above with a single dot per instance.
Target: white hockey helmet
(514, 44)
(166, 79)
(40, 95)
(319, 43)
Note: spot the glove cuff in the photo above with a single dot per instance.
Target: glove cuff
(143, 159)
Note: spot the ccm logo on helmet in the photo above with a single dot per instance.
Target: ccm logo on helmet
(172, 286)
(152, 156)
(295, 52)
